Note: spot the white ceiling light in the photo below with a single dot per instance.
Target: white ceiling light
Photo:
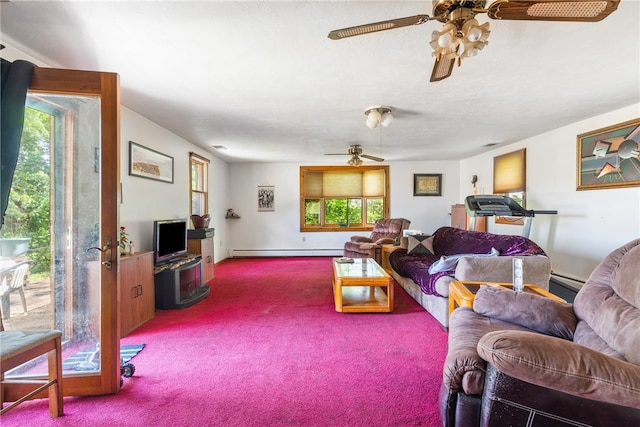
(378, 115)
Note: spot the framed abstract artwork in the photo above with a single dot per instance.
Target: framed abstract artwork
(147, 163)
(608, 157)
(427, 184)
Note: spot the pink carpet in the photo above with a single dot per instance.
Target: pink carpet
(267, 348)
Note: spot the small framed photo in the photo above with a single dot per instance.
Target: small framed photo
(609, 157)
(147, 163)
(266, 198)
(427, 184)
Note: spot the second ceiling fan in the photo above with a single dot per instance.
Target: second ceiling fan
(355, 151)
(462, 36)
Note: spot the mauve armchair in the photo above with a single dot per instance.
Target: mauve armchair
(385, 231)
(522, 359)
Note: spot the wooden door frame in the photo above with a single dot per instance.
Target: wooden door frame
(106, 86)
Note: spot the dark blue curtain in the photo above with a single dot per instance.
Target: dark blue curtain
(16, 77)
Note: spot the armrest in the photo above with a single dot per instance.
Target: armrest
(532, 311)
(384, 241)
(360, 239)
(562, 365)
(536, 269)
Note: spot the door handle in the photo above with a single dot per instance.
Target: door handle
(106, 250)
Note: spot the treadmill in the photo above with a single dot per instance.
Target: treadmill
(494, 205)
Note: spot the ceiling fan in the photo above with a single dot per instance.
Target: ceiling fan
(355, 151)
(462, 36)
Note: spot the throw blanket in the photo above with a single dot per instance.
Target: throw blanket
(452, 241)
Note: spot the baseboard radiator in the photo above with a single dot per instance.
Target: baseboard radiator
(566, 280)
(254, 253)
(565, 287)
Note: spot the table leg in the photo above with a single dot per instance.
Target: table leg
(337, 294)
(452, 303)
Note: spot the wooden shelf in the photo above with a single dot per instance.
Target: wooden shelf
(365, 299)
(460, 219)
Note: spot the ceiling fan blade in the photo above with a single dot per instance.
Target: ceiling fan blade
(552, 10)
(374, 158)
(337, 154)
(378, 26)
(442, 69)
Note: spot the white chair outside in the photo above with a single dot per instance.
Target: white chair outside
(13, 279)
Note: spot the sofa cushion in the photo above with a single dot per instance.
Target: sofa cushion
(531, 311)
(420, 244)
(452, 241)
(389, 227)
(449, 262)
(536, 270)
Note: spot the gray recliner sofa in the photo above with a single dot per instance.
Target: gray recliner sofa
(522, 359)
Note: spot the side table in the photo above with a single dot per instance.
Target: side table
(461, 294)
(386, 251)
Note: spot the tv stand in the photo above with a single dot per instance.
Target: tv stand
(179, 284)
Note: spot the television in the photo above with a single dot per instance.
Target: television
(169, 239)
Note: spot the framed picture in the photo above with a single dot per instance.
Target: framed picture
(608, 157)
(266, 198)
(427, 184)
(147, 163)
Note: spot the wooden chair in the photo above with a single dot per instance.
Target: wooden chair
(18, 347)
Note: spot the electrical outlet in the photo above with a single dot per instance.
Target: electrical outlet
(304, 239)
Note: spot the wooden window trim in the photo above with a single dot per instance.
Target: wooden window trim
(361, 227)
(196, 158)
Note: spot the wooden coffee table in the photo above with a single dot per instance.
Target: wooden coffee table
(362, 287)
(461, 294)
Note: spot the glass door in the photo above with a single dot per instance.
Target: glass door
(64, 205)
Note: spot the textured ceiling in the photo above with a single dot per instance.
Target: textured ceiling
(262, 79)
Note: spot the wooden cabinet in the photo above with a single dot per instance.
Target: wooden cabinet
(460, 219)
(137, 298)
(204, 248)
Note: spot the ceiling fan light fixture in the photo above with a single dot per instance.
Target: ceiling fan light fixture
(355, 161)
(386, 118)
(463, 39)
(378, 115)
(472, 30)
(485, 31)
(373, 119)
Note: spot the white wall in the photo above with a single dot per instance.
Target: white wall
(145, 200)
(279, 231)
(589, 224)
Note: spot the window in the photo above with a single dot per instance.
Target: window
(338, 198)
(199, 189)
(509, 179)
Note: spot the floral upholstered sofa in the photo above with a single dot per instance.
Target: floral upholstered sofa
(429, 263)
